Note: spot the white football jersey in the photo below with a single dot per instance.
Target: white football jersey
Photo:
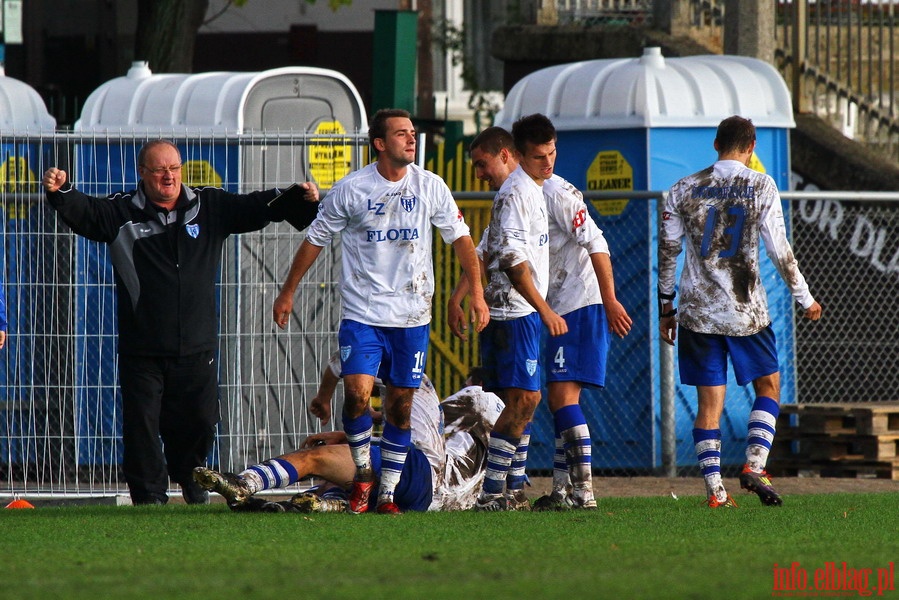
(719, 214)
(573, 237)
(386, 234)
(469, 416)
(518, 233)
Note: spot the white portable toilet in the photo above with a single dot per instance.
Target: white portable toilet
(219, 107)
(641, 124)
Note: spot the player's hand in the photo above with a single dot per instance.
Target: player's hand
(455, 318)
(555, 323)
(619, 321)
(311, 191)
(813, 312)
(2, 339)
(54, 179)
(326, 438)
(668, 329)
(321, 408)
(480, 312)
(281, 309)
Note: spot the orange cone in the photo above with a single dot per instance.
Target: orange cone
(20, 504)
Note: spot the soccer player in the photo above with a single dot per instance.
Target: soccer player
(385, 213)
(516, 255)
(443, 470)
(582, 291)
(719, 214)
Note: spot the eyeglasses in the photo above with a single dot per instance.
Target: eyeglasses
(160, 171)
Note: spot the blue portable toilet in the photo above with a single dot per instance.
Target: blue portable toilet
(642, 124)
(26, 137)
(230, 128)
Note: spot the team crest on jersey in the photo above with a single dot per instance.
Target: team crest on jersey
(666, 215)
(531, 365)
(193, 230)
(407, 201)
(345, 352)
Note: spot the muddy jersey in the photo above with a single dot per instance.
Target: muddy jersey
(468, 416)
(386, 235)
(719, 214)
(573, 237)
(518, 233)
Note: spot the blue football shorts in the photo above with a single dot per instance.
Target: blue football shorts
(414, 490)
(510, 353)
(581, 354)
(395, 354)
(703, 356)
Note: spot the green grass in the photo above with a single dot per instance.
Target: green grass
(630, 548)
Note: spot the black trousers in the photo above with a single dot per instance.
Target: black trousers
(170, 410)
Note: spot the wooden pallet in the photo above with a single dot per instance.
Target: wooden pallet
(870, 418)
(838, 440)
(836, 468)
(836, 446)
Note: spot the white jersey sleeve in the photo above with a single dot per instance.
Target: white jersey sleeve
(518, 233)
(573, 237)
(386, 230)
(427, 429)
(469, 416)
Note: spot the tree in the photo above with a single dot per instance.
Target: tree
(167, 29)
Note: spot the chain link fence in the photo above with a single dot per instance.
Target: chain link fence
(59, 404)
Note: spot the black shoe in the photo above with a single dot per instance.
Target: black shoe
(193, 493)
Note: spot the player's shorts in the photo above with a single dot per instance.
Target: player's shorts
(703, 356)
(580, 355)
(510, 353)
(415, 488)
(395, 354)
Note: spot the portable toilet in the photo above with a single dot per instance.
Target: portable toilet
(243, 132)
(26, 139)
(642, 124)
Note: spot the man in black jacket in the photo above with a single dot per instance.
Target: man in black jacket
(165, 240)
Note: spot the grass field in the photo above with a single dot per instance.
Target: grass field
(654, 547)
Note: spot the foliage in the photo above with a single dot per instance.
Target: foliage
(452, 40)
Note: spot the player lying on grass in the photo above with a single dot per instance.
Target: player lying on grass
(444, 469)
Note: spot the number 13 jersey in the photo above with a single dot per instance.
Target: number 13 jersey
(720, 213)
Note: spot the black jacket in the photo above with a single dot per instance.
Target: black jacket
(166, 263)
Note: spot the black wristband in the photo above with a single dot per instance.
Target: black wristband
(670, 313)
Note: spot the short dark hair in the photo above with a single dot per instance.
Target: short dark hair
(477, 375)
(492, 140)
(142, 154)
(533, 129)
(735, 134)
(378, 126)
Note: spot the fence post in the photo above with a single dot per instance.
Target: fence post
(798, 43)
(666, 394)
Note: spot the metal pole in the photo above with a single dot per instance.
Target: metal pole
(666, 395)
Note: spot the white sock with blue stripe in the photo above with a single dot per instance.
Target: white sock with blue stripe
(708, 450)
(762, 422)
(358, 434)
(499, 459)
(394, 449)
(272, 473)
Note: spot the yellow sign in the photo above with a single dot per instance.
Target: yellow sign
(329, 159)
(756, 164)
(610, 171)
(199, 173)
(16, 176)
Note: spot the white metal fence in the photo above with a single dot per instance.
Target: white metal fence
(59, 408)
